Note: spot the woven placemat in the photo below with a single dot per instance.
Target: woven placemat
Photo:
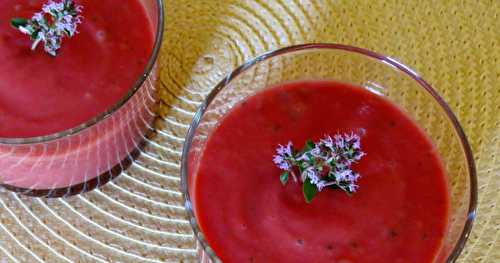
(455, 45)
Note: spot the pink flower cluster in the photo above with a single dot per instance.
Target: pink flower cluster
(324, 163)
(64, 19)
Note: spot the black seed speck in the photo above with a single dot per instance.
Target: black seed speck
(276, 127)
(294, 116)
(329, 247)
(284, 96)
(393, 233)
(300, 242)
(353, 244)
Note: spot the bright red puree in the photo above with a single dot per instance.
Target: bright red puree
(399, 213)
(40, 94)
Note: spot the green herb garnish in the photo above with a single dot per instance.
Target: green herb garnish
(323, 164)
(51, 25)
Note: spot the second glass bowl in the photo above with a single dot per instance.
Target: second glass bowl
(82, 158)
(379, 74)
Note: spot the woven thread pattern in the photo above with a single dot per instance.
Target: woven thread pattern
(455, 45)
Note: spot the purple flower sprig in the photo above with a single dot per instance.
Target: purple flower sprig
(323, 164)
(56, 21)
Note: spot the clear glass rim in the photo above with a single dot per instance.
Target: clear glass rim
(385, 59)
(115, 107)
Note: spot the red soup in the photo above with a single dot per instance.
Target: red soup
(93, 70)
(398, 214)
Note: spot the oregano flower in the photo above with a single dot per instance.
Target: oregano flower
(323, 164)
(56, 21)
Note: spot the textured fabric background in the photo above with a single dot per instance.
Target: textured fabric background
(455, 45)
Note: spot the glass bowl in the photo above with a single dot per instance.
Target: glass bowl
(379, 74)
(87, 156)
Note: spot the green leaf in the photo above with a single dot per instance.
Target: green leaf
(309, 145)
(18, 22)
(334, 186)
(331, 176)
(309, 190)
(34, 35)
(284, 178)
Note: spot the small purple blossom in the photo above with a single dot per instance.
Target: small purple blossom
(316, 151)
(353, 177)
(328, 142)
(343, 175)
(348, 148)
(353, 188)
(285, 150)
(38, 16)
(312, 174)
(339, 141)
(284, 156)
(325, 163)
(281, 162)
(303, 157)
(53, 8)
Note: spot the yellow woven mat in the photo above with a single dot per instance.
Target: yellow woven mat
(139, 217)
